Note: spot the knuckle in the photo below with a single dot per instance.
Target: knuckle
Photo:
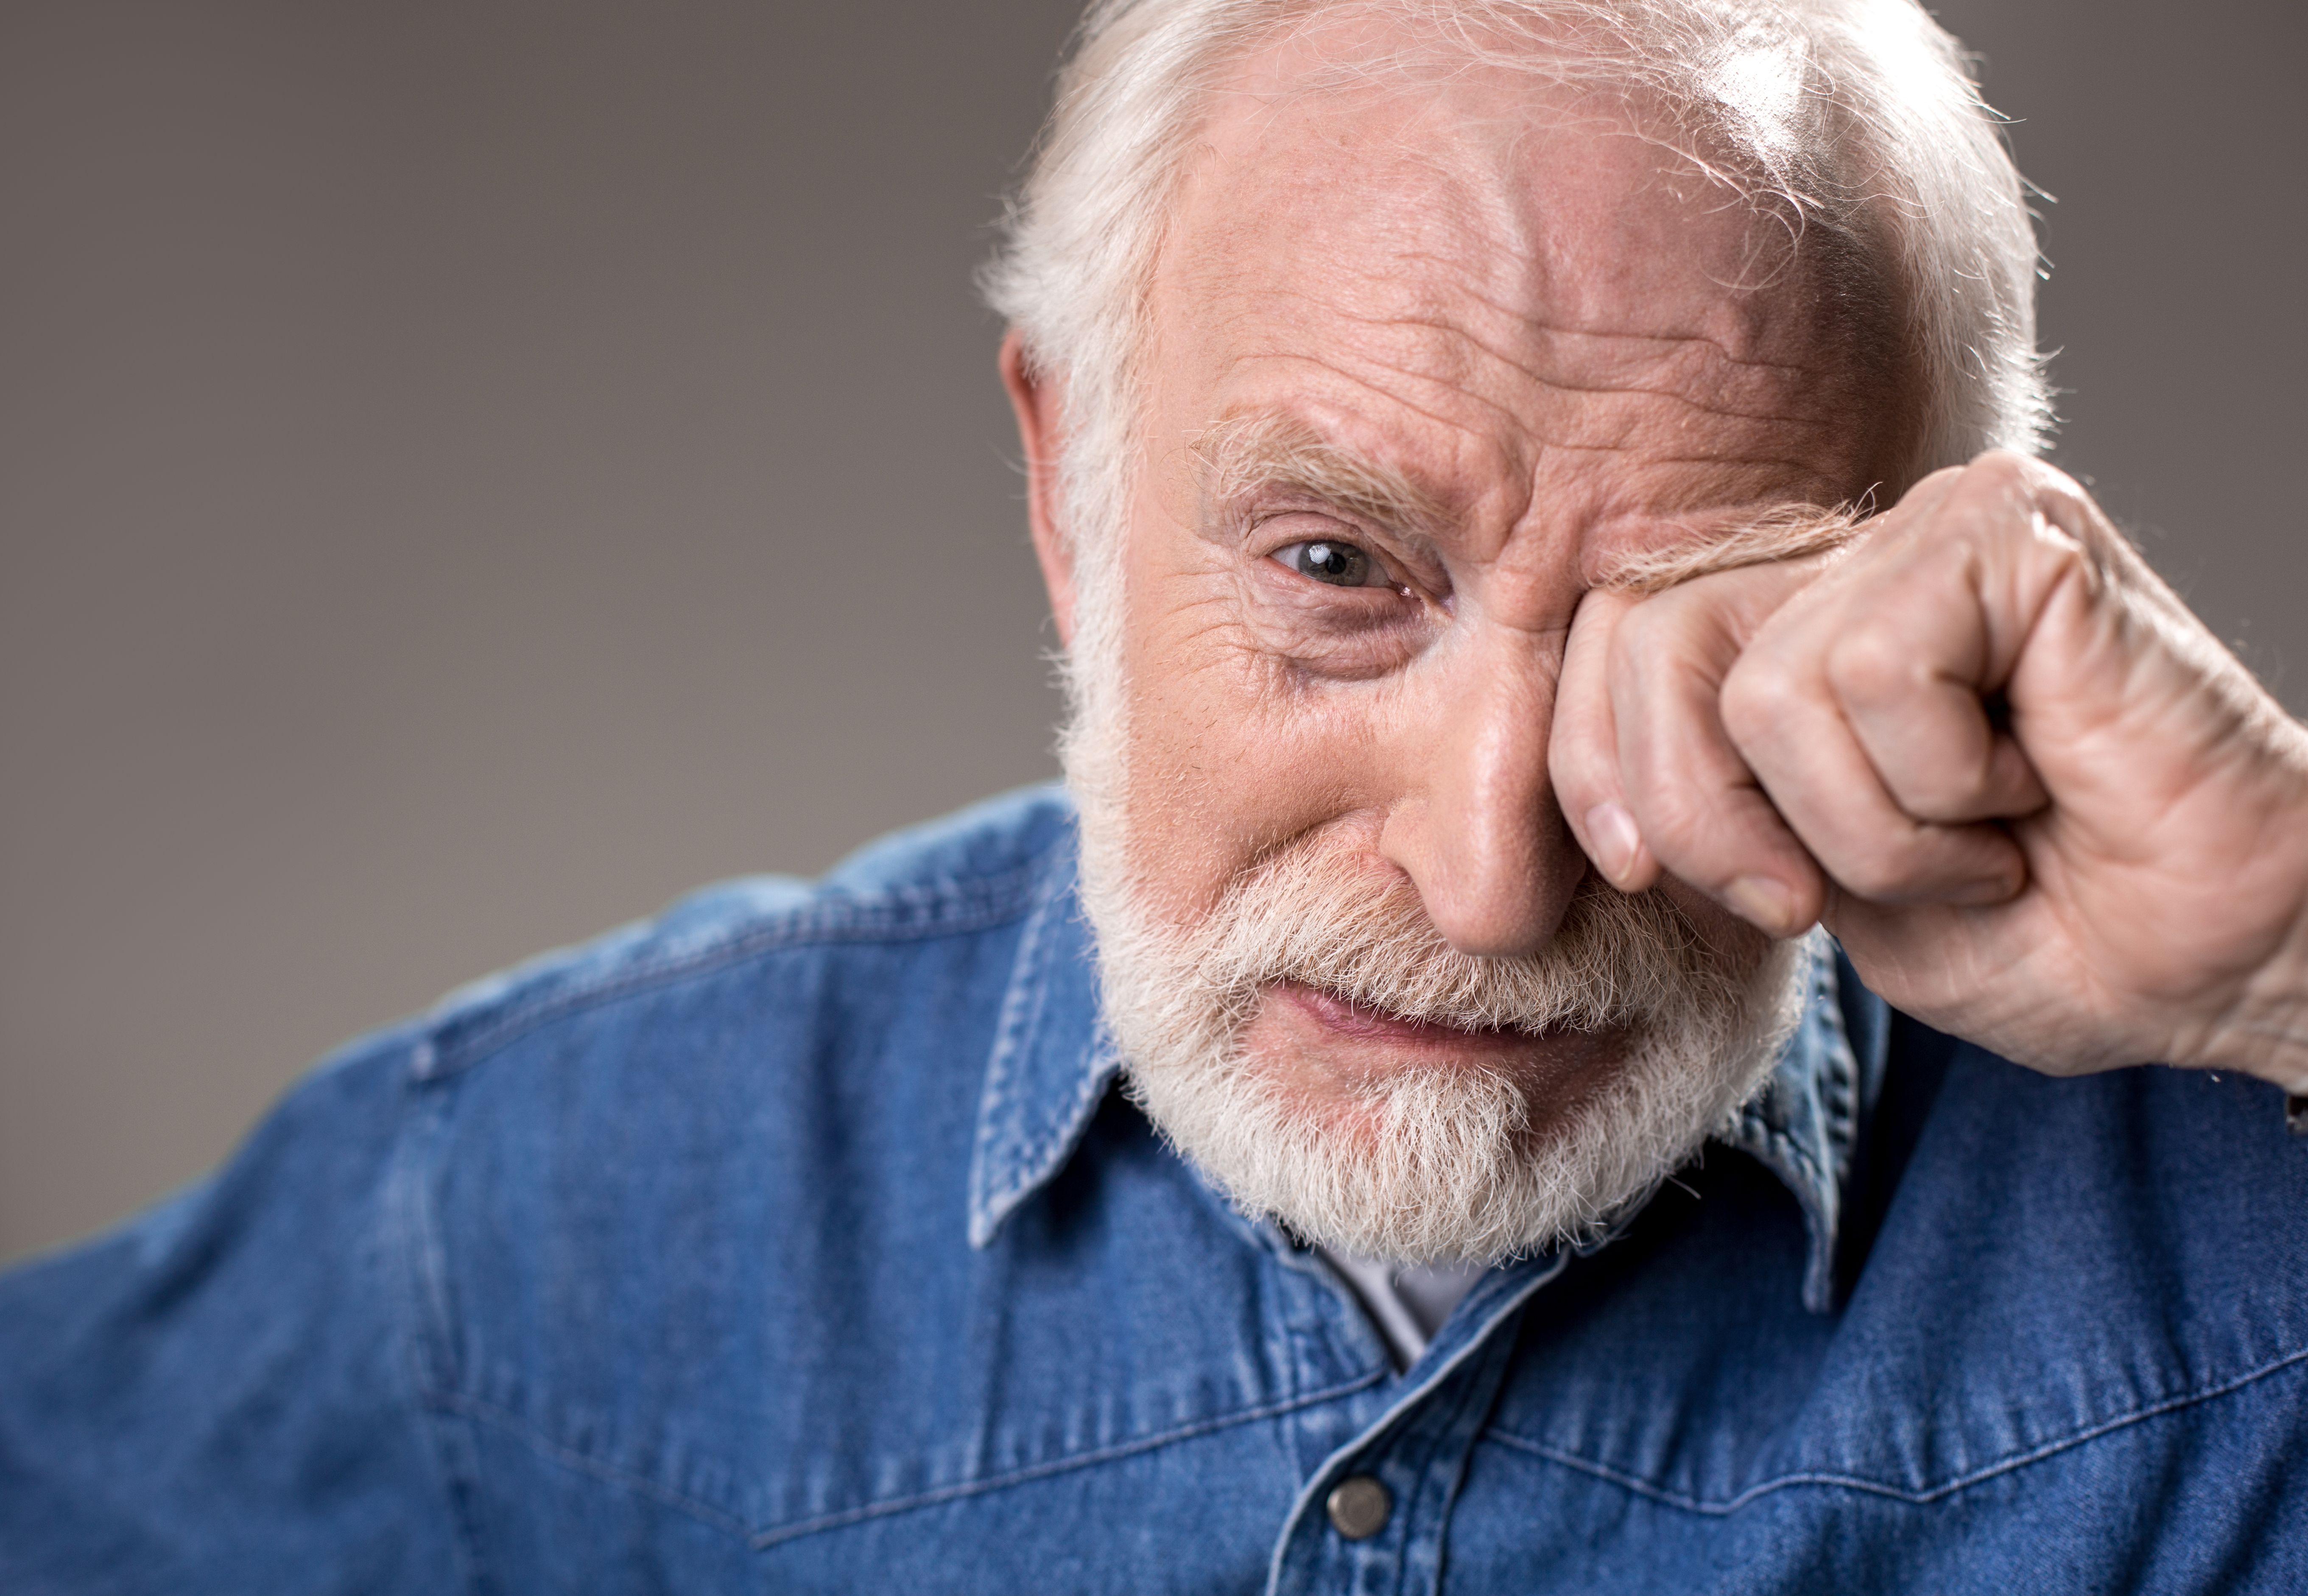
(1578, 772)
(1676, 617)
(1869, 665)
(1944, 800)
(1876, 873)
(2015, 481)
(1923, 861)
(1641, 630)
(2003, 468)
(1950, 791)
(1675, 822)
(1754, 699)
(2063, 554)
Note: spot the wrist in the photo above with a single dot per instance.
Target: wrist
(2267, 1035)
(2264, 1030)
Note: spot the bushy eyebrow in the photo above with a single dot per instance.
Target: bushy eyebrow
(1785, 532)
(1244, 456)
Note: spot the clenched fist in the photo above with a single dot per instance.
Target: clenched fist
(2039, 804)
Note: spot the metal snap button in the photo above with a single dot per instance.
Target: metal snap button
(1358, 1507)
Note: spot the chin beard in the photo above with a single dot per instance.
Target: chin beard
(1422, 1164)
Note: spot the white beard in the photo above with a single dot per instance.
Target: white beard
(1431, 1164)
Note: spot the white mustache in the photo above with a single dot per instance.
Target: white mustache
(1323, 916)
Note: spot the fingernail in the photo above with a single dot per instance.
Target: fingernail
(1616, 841)
(1763, 902)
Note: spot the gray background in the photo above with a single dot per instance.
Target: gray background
(471, 471)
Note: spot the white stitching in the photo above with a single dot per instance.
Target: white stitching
(1717, 1507)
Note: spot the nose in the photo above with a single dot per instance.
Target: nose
(1475, 823)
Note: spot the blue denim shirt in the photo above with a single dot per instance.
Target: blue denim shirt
(799, 1241)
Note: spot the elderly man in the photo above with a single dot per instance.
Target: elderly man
(1537, 496)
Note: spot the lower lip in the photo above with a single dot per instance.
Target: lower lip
(1348, 1019)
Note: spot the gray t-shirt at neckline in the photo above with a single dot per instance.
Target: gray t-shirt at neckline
(1408, 1302)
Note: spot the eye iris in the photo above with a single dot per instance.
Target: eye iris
(1341, 564)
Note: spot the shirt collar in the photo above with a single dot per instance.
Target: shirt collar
(1053, 1061)
(1804, 1123)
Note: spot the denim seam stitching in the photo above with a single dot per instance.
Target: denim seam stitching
(1717, 1507)
(1027, 1178)
(439, 1058)
(490, 1414)
(1001, 1130)
(419, 1262)
(763, 1539)
(760, 1540)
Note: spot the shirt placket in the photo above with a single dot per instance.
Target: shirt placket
(1374, 1516)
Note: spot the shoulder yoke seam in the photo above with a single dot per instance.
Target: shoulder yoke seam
(761, 1538)
(459, 1039)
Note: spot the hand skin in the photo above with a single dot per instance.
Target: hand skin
(2108, 868)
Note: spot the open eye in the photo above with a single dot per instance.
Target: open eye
(1339, 565)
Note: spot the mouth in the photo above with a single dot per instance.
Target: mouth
(1345, 1018)
(1322, 1048)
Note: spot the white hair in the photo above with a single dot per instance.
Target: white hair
(1855, 117)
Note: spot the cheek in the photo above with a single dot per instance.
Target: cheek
(1227, 758)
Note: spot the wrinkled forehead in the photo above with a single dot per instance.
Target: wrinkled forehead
(1494, 240)
(1557, 168)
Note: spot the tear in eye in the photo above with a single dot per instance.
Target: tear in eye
(1341, 564)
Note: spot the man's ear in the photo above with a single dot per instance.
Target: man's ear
(1038, 420)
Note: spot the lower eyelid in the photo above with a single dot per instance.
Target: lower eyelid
(1349, 658)
(1343, 637)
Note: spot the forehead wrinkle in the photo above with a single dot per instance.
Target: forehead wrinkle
(1528, 441)
(1587, 429)
(1565, 329)
(1359, 366)
(1448, 351)
(1557, 381)
(1443, 346)
(1515, 425)
(1679, 350)
(1486, 254)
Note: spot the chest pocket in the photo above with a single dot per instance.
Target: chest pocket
(2062, 1259)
